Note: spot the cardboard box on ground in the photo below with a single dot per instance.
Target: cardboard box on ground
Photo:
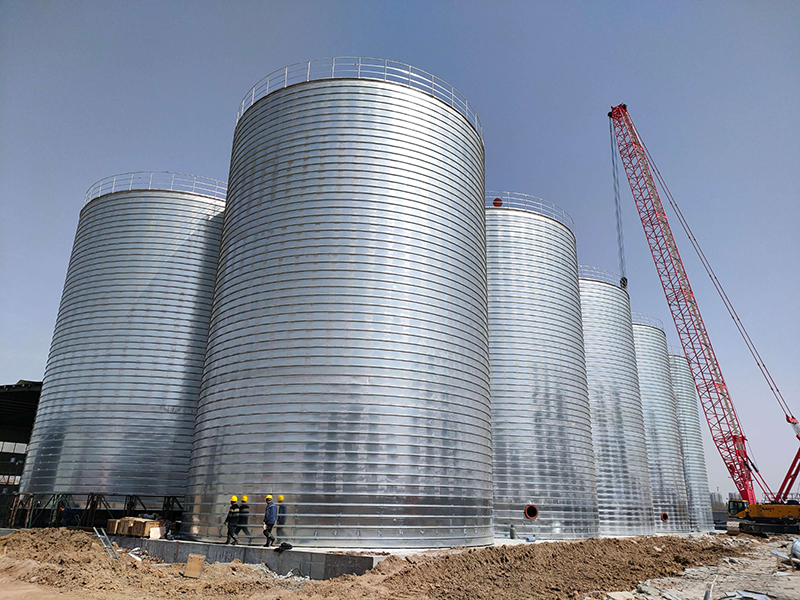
(194, 565)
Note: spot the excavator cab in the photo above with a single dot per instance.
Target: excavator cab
(737, 508)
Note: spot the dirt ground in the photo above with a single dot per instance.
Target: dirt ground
(755, 571)
(71, 565)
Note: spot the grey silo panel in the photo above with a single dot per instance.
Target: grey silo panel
(541, 423)
(120, 391)
(661, 426)
(694, 461)
(347, 364)
(624, 496)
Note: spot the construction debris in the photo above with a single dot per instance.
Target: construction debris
(782, 558)
(136, 527)
(744, 595)
(194, 565)
(107, 545)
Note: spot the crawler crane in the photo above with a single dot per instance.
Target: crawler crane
(778, 513)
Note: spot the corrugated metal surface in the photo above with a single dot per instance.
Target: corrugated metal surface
(347, 364)
(122, 381)
(694, 461)
(541, 422)
(624, 496)
(664, 453)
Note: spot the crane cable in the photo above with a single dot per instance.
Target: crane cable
(773, 386)
(617, 204)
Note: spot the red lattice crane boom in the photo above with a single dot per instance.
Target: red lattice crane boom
(720, 413)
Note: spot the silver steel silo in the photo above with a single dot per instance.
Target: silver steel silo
(694, 461)
(670, 501)
(544, 473)
(624, 496)
(347, 365)
(122, 380)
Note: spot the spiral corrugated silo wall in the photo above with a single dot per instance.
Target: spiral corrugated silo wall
(347, 365)
(624, 496)
(694, 460)
(541, 423)
(670, 502)
(122, 381)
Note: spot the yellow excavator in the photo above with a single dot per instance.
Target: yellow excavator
(764, 518)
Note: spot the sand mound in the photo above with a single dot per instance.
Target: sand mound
(557, 570)
(75, 560)
(551, 571)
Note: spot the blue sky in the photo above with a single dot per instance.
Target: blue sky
(90, 89)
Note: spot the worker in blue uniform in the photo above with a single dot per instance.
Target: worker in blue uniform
(270, 517)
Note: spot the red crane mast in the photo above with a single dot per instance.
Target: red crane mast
(720, 413)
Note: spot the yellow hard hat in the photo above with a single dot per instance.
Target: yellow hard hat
(244, 498)
(269, 497)
(280, 498)
(234, 498)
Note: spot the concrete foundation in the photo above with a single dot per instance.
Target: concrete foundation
(316, 565)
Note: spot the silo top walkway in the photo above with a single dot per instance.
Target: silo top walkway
(516, 200)
(643, 319)
(157, 180)
(598, 274)
(349, 67)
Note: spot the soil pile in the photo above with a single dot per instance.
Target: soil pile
(557, 570)
(75, 560)
(549, 571)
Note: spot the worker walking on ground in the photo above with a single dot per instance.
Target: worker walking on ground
(244, 518)
(270, 517)
(232, 521)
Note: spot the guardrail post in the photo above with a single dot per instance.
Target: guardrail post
(359, 67)
(286, 76)
(308, 72)
(333, 67)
